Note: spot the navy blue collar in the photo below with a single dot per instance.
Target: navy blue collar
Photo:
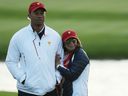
(41, 33)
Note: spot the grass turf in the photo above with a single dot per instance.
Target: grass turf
(101, 24)
(3, 93)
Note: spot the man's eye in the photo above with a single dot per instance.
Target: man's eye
(39, 13)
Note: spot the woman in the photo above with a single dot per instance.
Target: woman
(76, 66)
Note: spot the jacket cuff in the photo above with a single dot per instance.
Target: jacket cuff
(57, 66)
(60, 65)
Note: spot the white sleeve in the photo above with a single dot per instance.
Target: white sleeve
(60, 51)
(12, 61)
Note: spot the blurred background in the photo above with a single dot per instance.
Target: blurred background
(102, 25)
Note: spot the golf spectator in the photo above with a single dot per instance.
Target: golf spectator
(75, 70)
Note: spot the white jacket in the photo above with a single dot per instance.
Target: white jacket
(32, 59)
(80, 85)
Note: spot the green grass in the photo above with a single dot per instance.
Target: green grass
(2, 93)
(101, 24)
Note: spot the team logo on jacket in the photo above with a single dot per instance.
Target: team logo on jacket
(49, 42)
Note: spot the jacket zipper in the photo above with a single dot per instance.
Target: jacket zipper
(36, 48)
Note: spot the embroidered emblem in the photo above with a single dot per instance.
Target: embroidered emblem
(49, 42)
(69, 32)
(38, 3)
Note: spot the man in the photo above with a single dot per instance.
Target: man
(31, 55)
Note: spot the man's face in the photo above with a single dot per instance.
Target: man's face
(37, 17)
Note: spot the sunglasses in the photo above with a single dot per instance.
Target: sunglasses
(71, 40)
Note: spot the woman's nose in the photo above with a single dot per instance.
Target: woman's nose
(71, 43)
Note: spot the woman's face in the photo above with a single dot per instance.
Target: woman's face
(71, 44)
